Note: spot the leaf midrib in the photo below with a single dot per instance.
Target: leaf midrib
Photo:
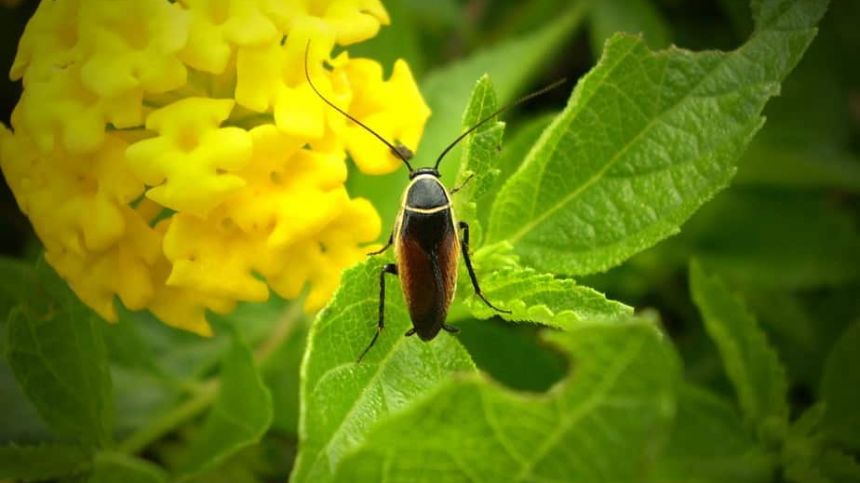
(614, 159)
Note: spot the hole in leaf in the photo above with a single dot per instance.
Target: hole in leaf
(513, 354)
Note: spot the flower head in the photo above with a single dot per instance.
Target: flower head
(172, 155)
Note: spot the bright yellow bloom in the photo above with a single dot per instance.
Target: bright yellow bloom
(172, 155)
(191, 151)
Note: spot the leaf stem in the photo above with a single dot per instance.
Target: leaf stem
(170, 420)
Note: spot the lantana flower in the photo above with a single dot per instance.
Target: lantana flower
(171, 155)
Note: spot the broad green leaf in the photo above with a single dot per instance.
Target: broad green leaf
(478, 152)
(540, 298)
(19, 420)
(749, 360)
(840, 391)
(16, 282)
(42, 462)
(340, 399)
(513, 153)
(128, 347)
(632, 16)
(241, 414)
(182, 355)
(646, 139)
(55, 348)
(709, 443)
(446, 91)
(605, 422)
(121, 468)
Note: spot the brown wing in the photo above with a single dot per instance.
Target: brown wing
(427, 252)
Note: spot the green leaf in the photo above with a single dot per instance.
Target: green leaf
(777, 240)
(42, 462)
(538, 297)
(479, 149)
(750, 362)
(840, 391)
(478, 152)
(515, 355)
(281, 374)
(19, 420)
(802, 339)
(799, 167)
(603, 423)
(241, 414)
(808, 140)
(513, 153)
(16, 281)
(809, 457)
(446, 91)
(645, 140)
(340, 399)
(55, 348)
(632, 16)
(840, 467)
(710, 444)
(120, 468)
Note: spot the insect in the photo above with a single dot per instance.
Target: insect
(425, 237)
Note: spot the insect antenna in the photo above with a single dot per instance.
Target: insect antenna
(400, 151)
(525, 98)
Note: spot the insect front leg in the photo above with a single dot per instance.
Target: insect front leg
(388, 244)
(380, 324)
(464, 247)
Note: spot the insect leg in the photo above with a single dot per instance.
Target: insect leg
(388, 244)
(464, 247)
(380, 324)
(450, 329)
(409, 332)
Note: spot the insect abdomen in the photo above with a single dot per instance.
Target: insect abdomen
(427, 252)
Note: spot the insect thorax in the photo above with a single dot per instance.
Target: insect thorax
(426, 192)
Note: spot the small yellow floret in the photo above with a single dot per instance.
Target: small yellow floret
(372, 105)
(132, 45)
(191, 161)
(218, 26)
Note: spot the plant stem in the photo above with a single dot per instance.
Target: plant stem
(170, 420)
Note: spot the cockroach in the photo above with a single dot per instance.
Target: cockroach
(425, 239)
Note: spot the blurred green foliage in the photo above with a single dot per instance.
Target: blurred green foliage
(756, 381)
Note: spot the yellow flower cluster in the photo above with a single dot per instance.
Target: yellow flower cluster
(172, 154)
